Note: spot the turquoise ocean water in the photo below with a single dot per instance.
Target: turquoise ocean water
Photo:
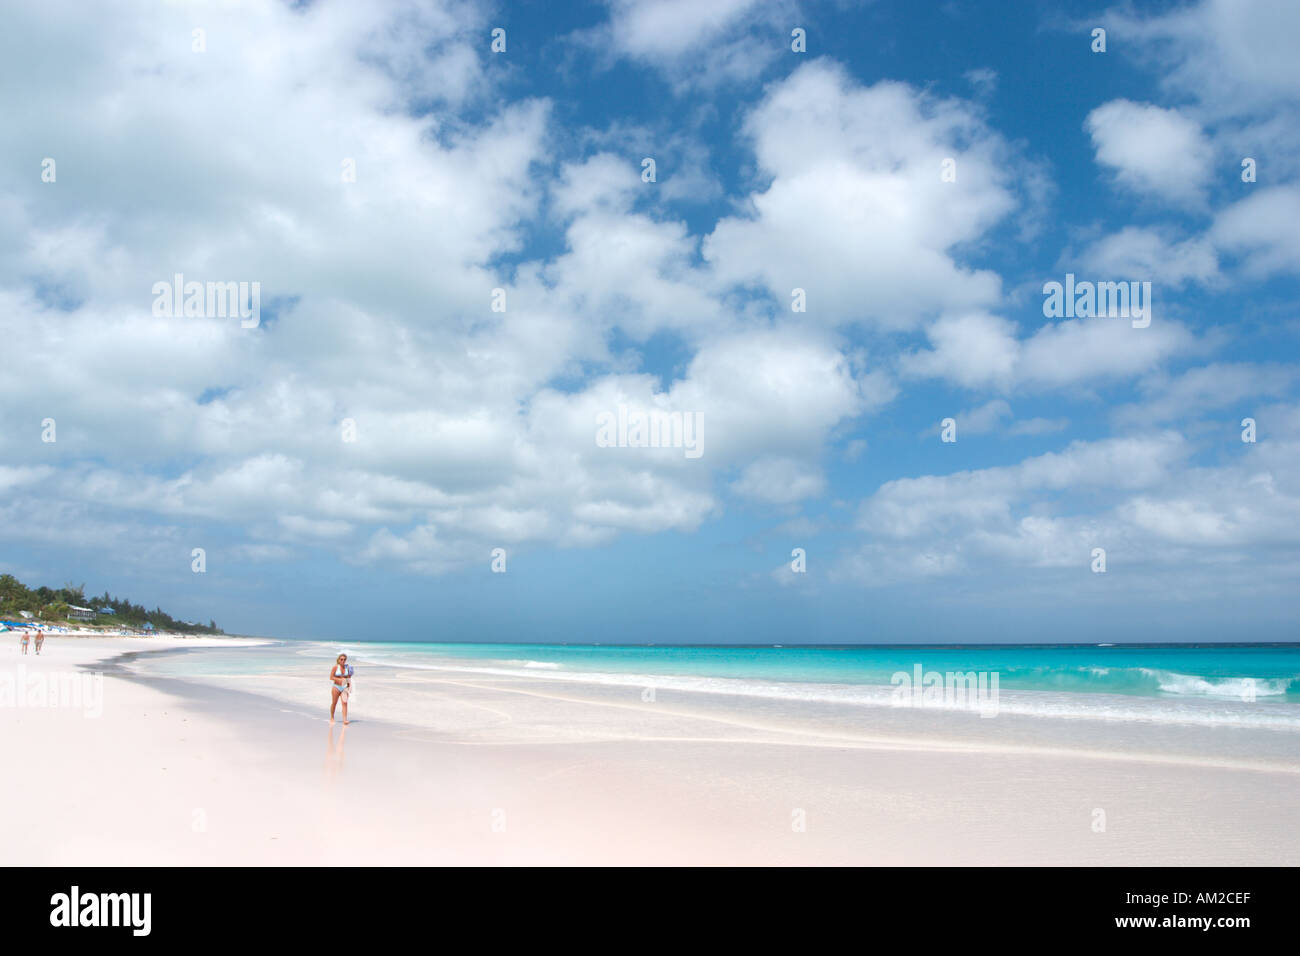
(1217, 671)
(1223, 684)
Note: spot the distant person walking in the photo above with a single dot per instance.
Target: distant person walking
(340, 686)
(24, 639)
(40, 639)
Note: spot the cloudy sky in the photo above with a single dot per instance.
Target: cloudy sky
(920, 172)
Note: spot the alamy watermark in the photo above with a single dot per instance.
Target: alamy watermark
(128, 910)
(208, 300)
(953, 690)
(70, 690)
(1085, 300)
(653, 428)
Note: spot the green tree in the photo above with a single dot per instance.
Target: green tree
(55, 611)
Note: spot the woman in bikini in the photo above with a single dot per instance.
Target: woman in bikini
(340, 686)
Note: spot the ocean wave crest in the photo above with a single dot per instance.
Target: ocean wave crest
(1238, 688)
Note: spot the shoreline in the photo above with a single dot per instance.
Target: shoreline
(779, 719)
(62, 631)
(189, 772)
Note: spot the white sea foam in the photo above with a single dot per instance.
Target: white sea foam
(1229, 710)
(1237, 688)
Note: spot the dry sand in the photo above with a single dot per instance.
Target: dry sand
(531, 772)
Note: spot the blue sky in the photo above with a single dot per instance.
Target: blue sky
(218, 154)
